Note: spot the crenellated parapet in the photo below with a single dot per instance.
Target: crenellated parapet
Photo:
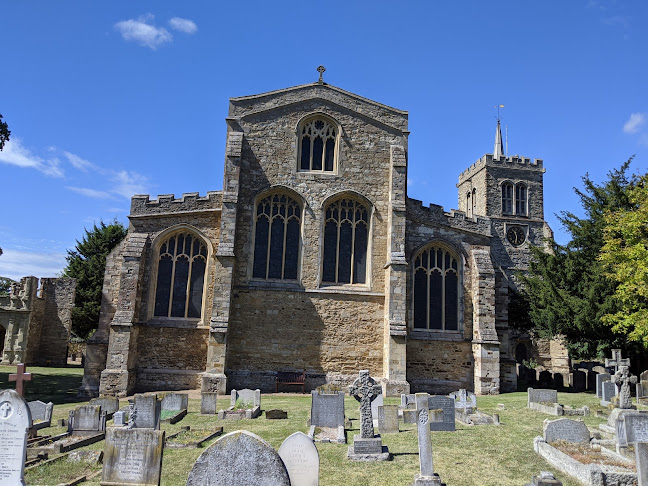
(455, 219)
(142, 205)
(511, 162)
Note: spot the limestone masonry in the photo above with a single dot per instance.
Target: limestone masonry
(313, 258)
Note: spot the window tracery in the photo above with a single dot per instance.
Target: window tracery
(318, 145)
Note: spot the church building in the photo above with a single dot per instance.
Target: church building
(313, 257)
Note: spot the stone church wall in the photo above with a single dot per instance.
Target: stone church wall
(439, 366)
(331, 337)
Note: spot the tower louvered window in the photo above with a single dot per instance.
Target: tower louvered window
(507, 198)
(318, 141)
(276, 241)
(346, 237)
(181, 276)
(436, 290)
(520, 199)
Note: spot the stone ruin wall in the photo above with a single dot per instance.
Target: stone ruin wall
(331, 337)
(37, 321)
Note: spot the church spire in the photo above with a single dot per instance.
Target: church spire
(498, 151)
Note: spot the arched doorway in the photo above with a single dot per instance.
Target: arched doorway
(520, 353)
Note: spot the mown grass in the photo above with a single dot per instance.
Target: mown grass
(472, 455)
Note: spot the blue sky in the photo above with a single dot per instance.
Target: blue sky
(108, 99)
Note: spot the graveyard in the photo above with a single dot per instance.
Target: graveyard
(495, 452)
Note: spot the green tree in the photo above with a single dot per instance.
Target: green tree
(566, 289)
(4, 133)
(87, 263)
(5, 285)
(625, 257)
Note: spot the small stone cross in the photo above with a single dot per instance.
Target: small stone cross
(321, 70)
(365, 390)
(616, 361)
(20, 377)
(624, 378)
(5, 410)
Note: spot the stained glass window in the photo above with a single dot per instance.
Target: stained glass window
(318, 139)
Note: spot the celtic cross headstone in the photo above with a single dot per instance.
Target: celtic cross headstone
(624, 378)
(365, 390)
(616, 361)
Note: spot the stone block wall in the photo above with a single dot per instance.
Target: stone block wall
(439, 366)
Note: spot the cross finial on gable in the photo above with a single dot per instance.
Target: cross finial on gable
(321, 70)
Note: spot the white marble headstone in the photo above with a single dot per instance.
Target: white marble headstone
(301, 459)
(377, 402)
(15, 421)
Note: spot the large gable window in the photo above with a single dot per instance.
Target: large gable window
(346, 237)
(276, 240)
(436, 290)
(181, 276)
(318, 145)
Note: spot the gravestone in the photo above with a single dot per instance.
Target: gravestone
(566, 430)
(616, 361)
(546, 478)
(239, 458)
(41, 414)
(591, 380)
(208, 405)
(276, 414)
(15, 420)
(600, 379)
(635, 431)
(301, 459)
(410, 415)
(108, 404)
(540, 395)
(624, 378)
(408, 401)
(365, 446)
(377, 402)
(426, 476)
(175, 402)
(464, 400)
(447, 407)
(545, 379)
(244, 403)
(388, 419)
(146, 412)
(86, 420)
(119, 418)
(642, 385)
(327, 409)
(609, 391)
(132, 456)
(578, 380)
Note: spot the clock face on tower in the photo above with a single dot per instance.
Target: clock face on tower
(516, 235)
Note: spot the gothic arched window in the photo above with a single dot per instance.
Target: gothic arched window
(474, 201)
(520, 199)
(507, 198)
(181, 276)
(317, 145)
(276, 238)
(346, 238)
(436, 289)
(469, 204)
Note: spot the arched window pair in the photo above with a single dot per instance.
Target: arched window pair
(182, 261)
(471, 203)
(436, 289)
(277, 240)
(514, 199)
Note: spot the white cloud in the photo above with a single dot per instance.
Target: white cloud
(129, 183)
(15, 153)
(16, 264)
(634, 123)
(183, 25)
(142, 31)
(77, 162)
(93, 193)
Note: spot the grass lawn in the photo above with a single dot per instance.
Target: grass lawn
(472, 455)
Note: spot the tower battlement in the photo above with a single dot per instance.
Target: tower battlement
(141, 204)
(511, 162)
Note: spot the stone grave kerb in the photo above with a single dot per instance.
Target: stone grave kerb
(365, 390)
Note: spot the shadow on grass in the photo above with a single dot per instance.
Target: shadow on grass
(58, 389)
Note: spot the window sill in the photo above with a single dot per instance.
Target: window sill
(346, 289)
(316, 173)
(178, 322)
(275, 285)
(432, 335)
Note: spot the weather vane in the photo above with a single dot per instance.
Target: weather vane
(498, 111)
(321, 70)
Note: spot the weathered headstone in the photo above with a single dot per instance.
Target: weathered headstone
(578, 380)
(239, 458)
(447, 406)
(540, 395)
(146, 412)
(378, 402)
(616, 361)
(546, 478)
(244, 403)
(327, 409)
(108, 404)
(208, 403)
(132, 456)
(608, 391)
(41, 414)
(410, 415)
(301, 459)
(365, 446)
(119, 418)
(407, 401)
(175, 401)
(388, 419)
(464, 400)
(635, 431)
(624, 378)
(600, 379)
(86, 420)
(426, 474)
(15, 420)
(566, 430)
(642, 386)
(276, 414)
